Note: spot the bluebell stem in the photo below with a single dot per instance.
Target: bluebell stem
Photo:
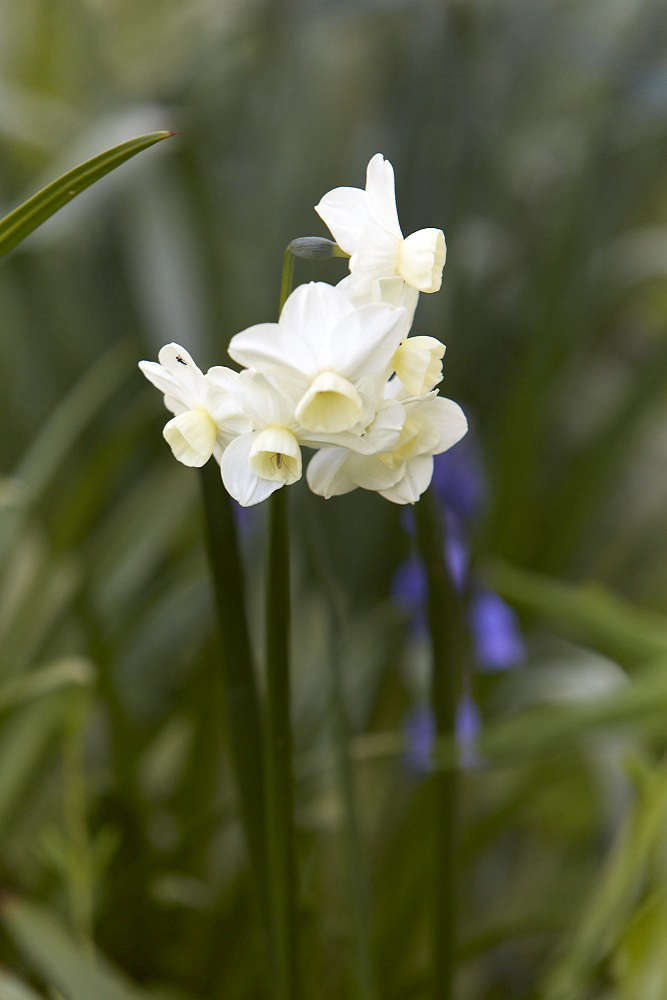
(460, 486)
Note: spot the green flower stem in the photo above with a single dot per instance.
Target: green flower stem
(278, 746)
(279, 778)
(243, 708)
(286, 278)
(356, 871)
(445, 626)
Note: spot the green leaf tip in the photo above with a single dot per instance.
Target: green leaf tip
(28, 216)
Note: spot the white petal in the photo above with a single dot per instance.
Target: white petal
(415, 481)
(371, 473)
(381, 193)
(326, 473)
(262, 402)
(223, 378)
(377, 254)
(315, 306)
(175, 404)
(270, 349)
(176, 360)
(223, 400)
(191, 437)
(392, 291)
(159, 377)
(396, 292)
(241, 482)
(344, 211)
(364, 343)
(447, 420)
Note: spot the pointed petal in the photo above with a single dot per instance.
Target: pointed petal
(364, 343)
(263, 403)
(326, 473)
(159, 377)
(238, 477)
(223, 401)
(371, 473)
(344, 212)
(179, 364)
(176, 359)
(381, 193)
(448, 420)
(415, 481)
(315, 306)
(223, 378)
(272, 350)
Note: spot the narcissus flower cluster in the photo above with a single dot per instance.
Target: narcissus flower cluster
(338, 373)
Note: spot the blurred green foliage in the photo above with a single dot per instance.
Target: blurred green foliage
(534, 134)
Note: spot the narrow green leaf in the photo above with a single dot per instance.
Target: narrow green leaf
(32, 213)
(23, 743)
(68, 672)
(611, 902)
(585, 612)
(70, 968)
(13, 989)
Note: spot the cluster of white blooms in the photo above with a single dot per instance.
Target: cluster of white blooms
(337, 373)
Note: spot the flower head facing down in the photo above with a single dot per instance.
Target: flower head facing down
(365, 225)
(206, 412)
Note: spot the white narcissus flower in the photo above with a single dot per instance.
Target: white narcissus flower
(259, 462)
(432, 425)
(206, 412)
(330, 356)
(365, 225)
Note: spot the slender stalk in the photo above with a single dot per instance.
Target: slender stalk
(279, 783)
(447, 660)
(357, 876)
(278, 746)
(286, 278)
(243, 708)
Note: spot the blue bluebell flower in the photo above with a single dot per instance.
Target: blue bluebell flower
(495, 629)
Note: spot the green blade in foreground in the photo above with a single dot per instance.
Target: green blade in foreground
(32, 213)
(59, 960)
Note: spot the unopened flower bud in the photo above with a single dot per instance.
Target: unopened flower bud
(315, 248)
